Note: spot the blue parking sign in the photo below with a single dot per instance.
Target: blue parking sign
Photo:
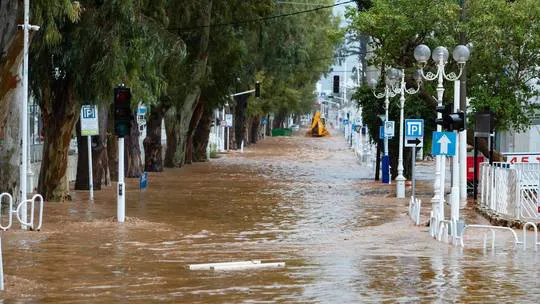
(414, 128)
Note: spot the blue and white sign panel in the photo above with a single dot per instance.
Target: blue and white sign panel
(381, 133)
(414, 128)
(414, 133)
(444, 143)
(89, 120)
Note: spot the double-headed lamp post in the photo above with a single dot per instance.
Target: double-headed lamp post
(400, 179)
(392, 79)
(440, 57)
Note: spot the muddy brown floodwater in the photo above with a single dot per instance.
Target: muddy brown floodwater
(304, 201)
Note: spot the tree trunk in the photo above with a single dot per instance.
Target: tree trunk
(153, 150)
(202, 135)
(170, 149)
(378, 161)
(195, 118)
(255, 129)
(240, 119)
(198, 71)
(100, 158)
(11, 51)
(132, 156)
(60, 114)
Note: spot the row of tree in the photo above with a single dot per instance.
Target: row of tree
(502, 74)
(182, 58)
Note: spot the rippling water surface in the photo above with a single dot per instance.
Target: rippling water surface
(304, 201)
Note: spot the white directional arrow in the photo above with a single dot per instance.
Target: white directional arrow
(444, 141)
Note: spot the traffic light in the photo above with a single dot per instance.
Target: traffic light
(122, 111)
(450, 121)
(456, 121)
(257, 89)
(336, 84)
(441, 121)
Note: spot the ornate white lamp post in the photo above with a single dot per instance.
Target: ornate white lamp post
(390, 89)
(400, 179)
(440, 57)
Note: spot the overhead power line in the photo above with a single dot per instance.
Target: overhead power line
(262, 18)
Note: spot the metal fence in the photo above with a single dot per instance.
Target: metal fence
(511, 190)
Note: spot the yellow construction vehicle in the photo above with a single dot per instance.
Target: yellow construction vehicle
(318, 128)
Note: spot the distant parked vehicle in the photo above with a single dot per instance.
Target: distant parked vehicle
(295, 128)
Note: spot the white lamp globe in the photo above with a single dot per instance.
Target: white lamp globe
(439, 53)
(422, 53)
(461, 54)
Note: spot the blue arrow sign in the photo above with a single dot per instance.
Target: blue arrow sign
(444, 143)
(414, 128)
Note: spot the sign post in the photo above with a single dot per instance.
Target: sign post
(229, 124)
(414, 137)
(89, 127)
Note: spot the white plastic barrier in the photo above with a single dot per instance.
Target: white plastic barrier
(414, 210)
(492, 229)
(9, 210)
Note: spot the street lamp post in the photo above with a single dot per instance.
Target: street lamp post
(389, 91)
(400, 179)
(440, 56)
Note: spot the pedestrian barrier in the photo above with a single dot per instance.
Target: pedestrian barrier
(491, 229)
(445, 228)
(414, 210)
(512, 190)
(10, 210)
(17, 212)
(535, 244)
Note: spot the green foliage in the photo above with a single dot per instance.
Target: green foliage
(504, 63)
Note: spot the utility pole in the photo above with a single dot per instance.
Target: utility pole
(23, 170)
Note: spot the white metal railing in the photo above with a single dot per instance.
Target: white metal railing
(535, 239)
(491, 229)
(414, 210)
(529, 190)
(511, 190)
(17, 212)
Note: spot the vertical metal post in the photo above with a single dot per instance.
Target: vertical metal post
(386, 158)
(475, 166)
(438, 185)
(454, 196)
(227, 139)
(400, 184)
(121, 206)
(463, 107)
(413, 172)
(1, 266)
(90, 168)
(24, 114)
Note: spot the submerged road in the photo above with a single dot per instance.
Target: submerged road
(304, 201)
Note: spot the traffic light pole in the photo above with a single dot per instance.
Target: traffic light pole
(454, 197)
(121, 198)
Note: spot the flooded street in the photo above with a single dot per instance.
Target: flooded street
(303, 201)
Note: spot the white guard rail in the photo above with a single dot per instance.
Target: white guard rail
(491, 229)
(511, 190)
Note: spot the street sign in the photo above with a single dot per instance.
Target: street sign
(381, 133)
(228, 119)
(389, 128)
(89, 120)
(141, 114)
(444, 143)
(414, 128)
(414, 133)
(414, 142)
